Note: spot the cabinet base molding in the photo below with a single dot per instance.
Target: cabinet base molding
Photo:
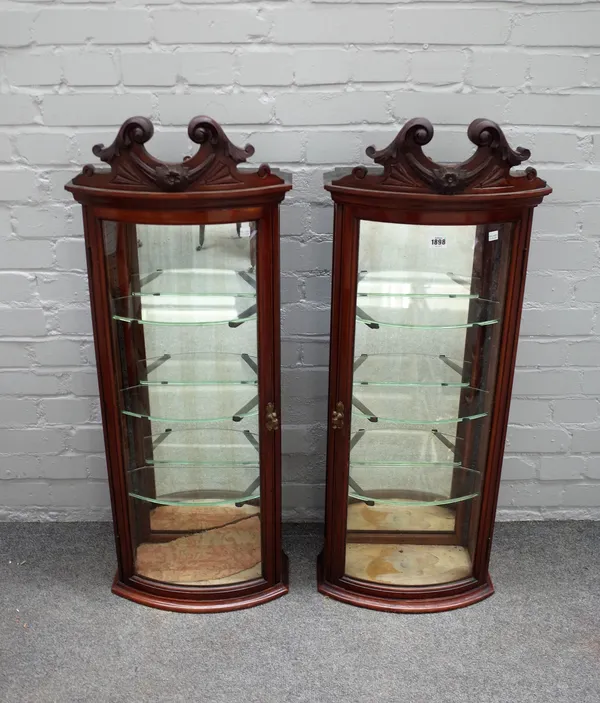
(431, 603)
(182, 605)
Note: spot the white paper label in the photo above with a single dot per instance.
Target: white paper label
(492, 236)
(437, 243)
(245, 229)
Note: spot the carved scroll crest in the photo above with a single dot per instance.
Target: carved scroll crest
(406, 167)
(214, 164)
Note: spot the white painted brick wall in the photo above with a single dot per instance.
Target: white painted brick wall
(311, 84)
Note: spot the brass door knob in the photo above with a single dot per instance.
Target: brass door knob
(271, 419)
(337, 417)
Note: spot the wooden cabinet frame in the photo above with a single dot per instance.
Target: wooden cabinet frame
(205, 189)
(412, 189)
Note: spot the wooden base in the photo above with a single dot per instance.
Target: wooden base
(227, 602)
(431, 602)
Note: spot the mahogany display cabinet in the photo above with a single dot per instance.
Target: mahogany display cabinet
(428, 276)
(183, 263)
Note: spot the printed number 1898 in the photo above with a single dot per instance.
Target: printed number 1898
(438, 242)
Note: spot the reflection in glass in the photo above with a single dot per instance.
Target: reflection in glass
(426, 344)
(185, 324)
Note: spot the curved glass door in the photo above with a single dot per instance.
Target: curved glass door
(429, 303)
(184, 311)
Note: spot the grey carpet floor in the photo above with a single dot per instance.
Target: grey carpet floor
(64, 637)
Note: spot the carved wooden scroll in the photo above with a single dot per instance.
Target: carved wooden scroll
(214, 166)
(407, 168)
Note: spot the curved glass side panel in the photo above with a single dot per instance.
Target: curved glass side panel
(429, 304)
(184, 315)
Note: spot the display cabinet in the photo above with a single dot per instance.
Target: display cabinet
(428, 278)
(183, 263)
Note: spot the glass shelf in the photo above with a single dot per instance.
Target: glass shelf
(407, 370)
(177, 310)
(199, 369)
(415, 284)
(404, 447)
(190, 501)
(198, 498)
(441, 312)
(198, 403)
(431, 405)
(195, 485)
(202, 446)
(414, 486)
(196, 282)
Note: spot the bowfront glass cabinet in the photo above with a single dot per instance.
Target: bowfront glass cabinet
(184, 279)
(428, 279)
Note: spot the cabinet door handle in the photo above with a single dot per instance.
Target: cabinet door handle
(337, 417)
(271, 419)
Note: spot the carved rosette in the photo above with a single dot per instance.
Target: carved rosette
(407, 168)
(214, 164)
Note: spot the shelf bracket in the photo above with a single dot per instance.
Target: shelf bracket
(360, 361)
(245, 276)
(155, 364)
(251, 363)
(365, 318)
(446, 442)
(461, 280)
(364, 410)
(245, 409)
(161, 438)
(251, 438)
(352, 483)
(241, 317)
(356, 439)
(251, 487)
(452, 364)
(150, 277)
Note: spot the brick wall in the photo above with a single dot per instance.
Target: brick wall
(310, 84)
